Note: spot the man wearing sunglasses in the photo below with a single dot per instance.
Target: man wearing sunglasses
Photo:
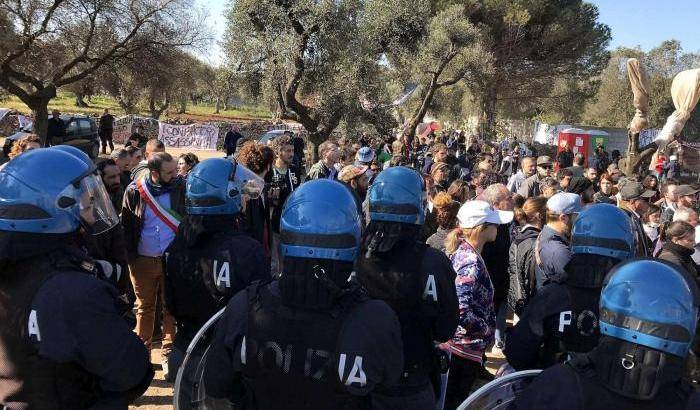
(531, 186)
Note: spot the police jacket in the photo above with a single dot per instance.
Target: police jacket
(282, 357)
(587, 383)
(64, 343)
(418, 282)
(207, 263)
(561, 318)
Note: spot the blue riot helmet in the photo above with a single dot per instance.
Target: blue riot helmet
(604, 230)
(320, 220)
(53, 192)
(75, 152)
(217, 186)
(650, 303)
(397, 195)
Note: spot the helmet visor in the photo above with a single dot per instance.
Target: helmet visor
(89, 202)
(246, 182)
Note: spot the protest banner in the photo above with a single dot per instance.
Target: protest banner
(121, 130)
(195, 136)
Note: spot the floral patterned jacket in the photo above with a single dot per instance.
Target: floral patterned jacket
(477, 315)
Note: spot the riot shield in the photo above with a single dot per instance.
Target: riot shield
(189, 392)
(499, 393)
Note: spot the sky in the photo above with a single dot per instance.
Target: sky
(644, 23)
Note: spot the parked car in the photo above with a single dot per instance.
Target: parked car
(81, 132)
(267, 137)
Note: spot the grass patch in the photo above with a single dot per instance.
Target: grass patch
(65, 103)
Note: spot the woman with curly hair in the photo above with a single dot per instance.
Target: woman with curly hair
(446, 217)
(185, 164)
(28, 143)
(257, 158)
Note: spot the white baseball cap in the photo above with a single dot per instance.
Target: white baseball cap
(364, 154)
(475, 213)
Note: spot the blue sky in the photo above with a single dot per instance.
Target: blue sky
(644, 23)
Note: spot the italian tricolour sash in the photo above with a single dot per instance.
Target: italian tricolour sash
(168, 216)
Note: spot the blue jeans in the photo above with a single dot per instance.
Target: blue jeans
(501, 314)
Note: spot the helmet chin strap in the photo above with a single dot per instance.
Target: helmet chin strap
(633, 370)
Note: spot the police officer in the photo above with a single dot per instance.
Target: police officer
(63, 344)
(563, 316)
(311, 339)
(648, 316)
(418, 282)
(210, 259)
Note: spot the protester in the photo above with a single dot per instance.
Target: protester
(55, 129)
(357, 178)
(651, 222)
(122, 159)
(150, 216)
(284, 179)
(651, 183)
(477, 226)
(440, 174)
(328, 153)
(185, 163)
(28, 143)
(230, 140)
(583, 187)
(259, 159)
(531, 186)
(509, 163)
(601, 161)
(460, 192)
(141, 169)
(495, 256)
(577, 169)
(668, 199)
(136, 155)
(564, 178)
(109, 172)
(549, 187)
(679, 238)
(672, 168)
(531, 217)
(592, 175)
(606, 194)
(565, 158)
(528, 168)
(105, 131)
(552, 251)
(137, 139)
(446, 209)
(634, 199)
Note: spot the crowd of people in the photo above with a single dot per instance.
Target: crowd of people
(378, 277)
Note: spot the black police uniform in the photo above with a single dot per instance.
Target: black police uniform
(596, 381)
(418, 282)
(271, 356)
(63, 344)
(206, 264)
(561, 318)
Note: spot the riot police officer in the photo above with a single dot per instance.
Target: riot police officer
(648, 316)
(63, 344)
(210, 259)
(312, 339)
(563, 316)
(418, 282)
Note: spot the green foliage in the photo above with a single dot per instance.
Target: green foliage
(541, 50)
